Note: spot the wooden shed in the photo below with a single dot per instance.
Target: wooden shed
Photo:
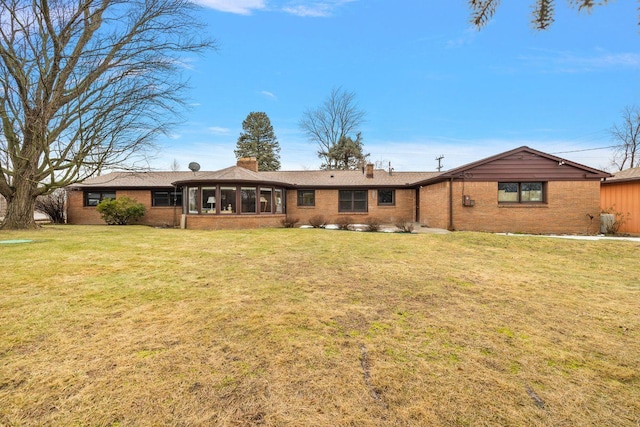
(621, 194)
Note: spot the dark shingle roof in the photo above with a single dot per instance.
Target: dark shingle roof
(134, 179)
(336, 178)
(340, 178)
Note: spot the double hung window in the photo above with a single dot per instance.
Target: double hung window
(352, 201)
(306, 198)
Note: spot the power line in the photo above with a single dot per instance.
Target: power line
(585, 149)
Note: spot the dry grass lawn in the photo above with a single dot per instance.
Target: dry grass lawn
(134, 326)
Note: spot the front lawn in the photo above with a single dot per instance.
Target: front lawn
(124, 326)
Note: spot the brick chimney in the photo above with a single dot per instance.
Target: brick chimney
(250, 163)
(369, 169)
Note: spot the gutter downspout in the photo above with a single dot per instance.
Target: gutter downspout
(451, 204)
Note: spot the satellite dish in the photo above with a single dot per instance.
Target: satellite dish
(194, 166)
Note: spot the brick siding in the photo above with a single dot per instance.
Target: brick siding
(77, 213)
(233, 222)
(326, 204)
(567, 210)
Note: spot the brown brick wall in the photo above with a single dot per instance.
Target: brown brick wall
(166, 216)
(569, 204)
(326, 204)
(233, 222)
(77, 213)
(434, 205)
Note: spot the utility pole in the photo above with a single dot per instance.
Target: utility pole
(439, 159)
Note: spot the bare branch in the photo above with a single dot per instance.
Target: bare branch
(627, 134)
(337, 118)
(86, 85)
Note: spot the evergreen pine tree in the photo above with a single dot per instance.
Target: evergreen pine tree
(258, 140)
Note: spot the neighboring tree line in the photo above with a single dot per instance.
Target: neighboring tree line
(333, 126)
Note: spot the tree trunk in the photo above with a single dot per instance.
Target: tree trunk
(20, 207)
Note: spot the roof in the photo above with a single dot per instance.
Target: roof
(352, 178)
(521, 163)
(134, 180)
(627, 175)
(518, 164)
(336, 178)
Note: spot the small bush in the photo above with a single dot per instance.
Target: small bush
(121, 211)
(618, 220)
(289, 222)
(373, 224)
(404, 225)
(53, 205)
(343, 222)
(317, 221)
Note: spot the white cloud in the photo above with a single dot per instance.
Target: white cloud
(466, 38)
(268, 94)
(569, 62)
(317, 9)
(217, 130)
(241, 7)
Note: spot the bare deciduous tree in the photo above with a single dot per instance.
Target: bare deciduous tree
(53, 205)
(337, 118)
(85, 85)
(627, 135)
(542, 15)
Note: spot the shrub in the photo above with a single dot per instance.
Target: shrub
(343, 222)
(618, 220)
(289, 222)
(120, 211)
(317, 221)
(53, 205)
(373, 224)
(404, 225)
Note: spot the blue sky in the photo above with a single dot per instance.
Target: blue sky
(429, 83)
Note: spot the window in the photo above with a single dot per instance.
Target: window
(386, 197)
(279, 200)
(228, 200)
(521, 192)
(208, 200)
(166, 198)
(92, 198)
(306, 197)
(248, 195)
(352, 201)
(266, 201)
(193, 200)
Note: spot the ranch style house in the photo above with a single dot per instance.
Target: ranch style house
(518, 191)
